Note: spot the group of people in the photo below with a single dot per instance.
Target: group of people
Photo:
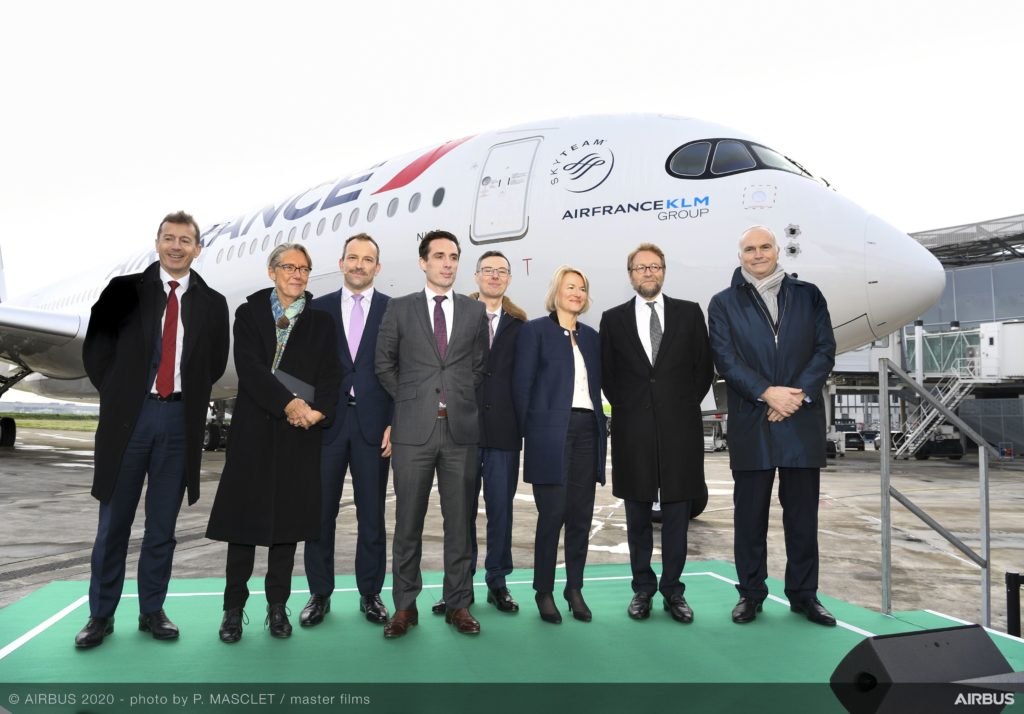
(441, 385)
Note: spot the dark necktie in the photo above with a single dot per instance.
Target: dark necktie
(440, 327)
(655, 331)
(165, 374)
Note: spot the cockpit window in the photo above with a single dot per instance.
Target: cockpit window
(730, 157)
(712, 158)
(691, 160)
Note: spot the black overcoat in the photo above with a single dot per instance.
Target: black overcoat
(270, 489)
(751, 359)
(657, 428)
(121, 354)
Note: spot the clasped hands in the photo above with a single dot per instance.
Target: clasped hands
(301, 414)
(782, 402)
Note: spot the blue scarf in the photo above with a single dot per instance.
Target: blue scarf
(284, 321)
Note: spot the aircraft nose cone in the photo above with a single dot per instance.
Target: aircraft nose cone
(904, 279)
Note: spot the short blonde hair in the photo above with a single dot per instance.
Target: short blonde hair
(556, 284)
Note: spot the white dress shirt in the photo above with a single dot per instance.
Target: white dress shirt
(180, 336)
(447, 307)
(643, 320)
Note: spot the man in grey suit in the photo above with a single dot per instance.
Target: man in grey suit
(431, 353)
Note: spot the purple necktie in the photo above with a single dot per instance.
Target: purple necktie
(440, 329)
(355, 326)
(490, 327)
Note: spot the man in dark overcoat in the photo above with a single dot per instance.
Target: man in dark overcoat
(156, 343)
(772, 340)
(656, 368)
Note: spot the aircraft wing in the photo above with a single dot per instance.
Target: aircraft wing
(49, 343)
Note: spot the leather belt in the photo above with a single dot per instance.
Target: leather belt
(172, 397)
(442, 413)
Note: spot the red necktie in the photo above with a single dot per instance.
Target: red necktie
(165, 375)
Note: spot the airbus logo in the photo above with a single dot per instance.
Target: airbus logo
(583, 166)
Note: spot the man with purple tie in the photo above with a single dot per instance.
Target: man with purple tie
(359, 440)
(431, 354)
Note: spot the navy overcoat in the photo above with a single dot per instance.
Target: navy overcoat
(750, 358)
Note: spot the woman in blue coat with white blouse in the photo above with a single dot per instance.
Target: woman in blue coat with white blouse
(557, 395)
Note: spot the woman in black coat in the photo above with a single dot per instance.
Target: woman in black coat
(556, 387)
(269, 492)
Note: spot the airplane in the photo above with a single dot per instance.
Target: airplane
(582, 191)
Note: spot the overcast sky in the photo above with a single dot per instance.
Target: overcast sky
(115, 113)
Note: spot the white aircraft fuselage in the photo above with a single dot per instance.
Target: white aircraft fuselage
(582, 191)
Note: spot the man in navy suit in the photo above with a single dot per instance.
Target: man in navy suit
(156, 343)
(358, 441)
(500, 437)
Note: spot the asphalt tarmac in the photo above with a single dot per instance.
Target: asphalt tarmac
(48, 522)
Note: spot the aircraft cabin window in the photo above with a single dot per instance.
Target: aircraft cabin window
(220, 254)
(774, 160)
(252, 246)
(337, 222)
(730, 157)
(231, 252)
(438, 197)
(353, 217)
(291, 235)
(392, 207)
(414, 202)
(305, 231)
(691, 160)
(320, 226)
(266, 242)
(371, 212)
(280, 238)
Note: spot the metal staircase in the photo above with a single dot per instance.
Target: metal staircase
(952, 390)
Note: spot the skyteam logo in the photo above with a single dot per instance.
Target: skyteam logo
(583, 166)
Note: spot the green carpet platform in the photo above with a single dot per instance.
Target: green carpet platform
(517, 663)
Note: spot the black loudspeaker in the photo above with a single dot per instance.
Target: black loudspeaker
(921, 672)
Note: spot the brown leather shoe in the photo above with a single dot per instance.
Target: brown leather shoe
(462, 621)
(398, 626)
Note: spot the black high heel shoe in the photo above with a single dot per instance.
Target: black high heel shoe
(548, 611)
(578, 606)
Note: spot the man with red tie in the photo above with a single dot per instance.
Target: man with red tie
(156, 343)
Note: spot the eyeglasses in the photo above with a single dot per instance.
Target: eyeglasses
(641, 269)
(490, 272)
(289, 269)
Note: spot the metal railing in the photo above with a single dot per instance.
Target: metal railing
(985, 450)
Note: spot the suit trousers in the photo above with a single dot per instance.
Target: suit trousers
(498, 475)
(414, 467)
(351, 452)
(675, 524)
(278, 582)
(570, 504)
(156, 448)
(798, 494)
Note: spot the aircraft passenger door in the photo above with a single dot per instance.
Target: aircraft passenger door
(500, 211)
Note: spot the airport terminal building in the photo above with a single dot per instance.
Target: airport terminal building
(972, 339)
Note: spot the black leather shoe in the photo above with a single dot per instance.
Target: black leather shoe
(313, 613)
(439, 607)
(94, 631)
(814, 611)
(373, 607)
(679, 609)
(231, 625)
(159, 625)
(746, 610)
(277, 620)
(501, 598)
(547, 608)
(578, 606)
(640, 606)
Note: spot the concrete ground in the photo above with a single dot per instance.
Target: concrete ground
(48, 522)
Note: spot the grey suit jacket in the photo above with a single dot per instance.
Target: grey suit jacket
(410, 368)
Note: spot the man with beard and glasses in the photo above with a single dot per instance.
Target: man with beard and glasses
(656, 368)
